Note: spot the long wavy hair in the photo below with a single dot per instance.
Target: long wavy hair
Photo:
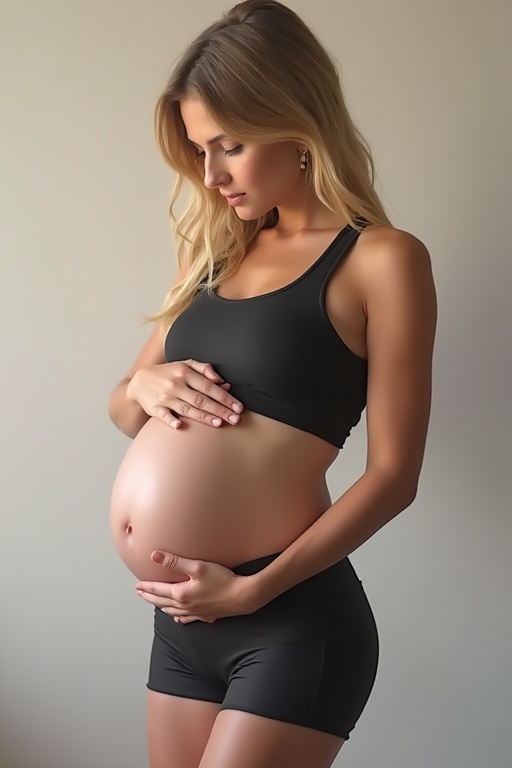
(263, 77)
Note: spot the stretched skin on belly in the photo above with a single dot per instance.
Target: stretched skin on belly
(224, 495)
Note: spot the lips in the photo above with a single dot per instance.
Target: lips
(234, 199)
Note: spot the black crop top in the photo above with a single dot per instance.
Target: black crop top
(279, 350)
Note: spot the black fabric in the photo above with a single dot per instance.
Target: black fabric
(279, 351)
(308, 657)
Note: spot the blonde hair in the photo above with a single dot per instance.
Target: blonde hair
(263, 77)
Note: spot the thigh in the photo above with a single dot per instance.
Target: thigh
(178, 730)
(241, 738)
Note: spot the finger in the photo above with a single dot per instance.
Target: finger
(192, 568)
(159, 588)
(165, 415)
(179, 619)
(190, 619)
(214, 400)
(205, 412)
(179, 614)
(212, 390)
(161, 602)
(215, 391)
(206, 369)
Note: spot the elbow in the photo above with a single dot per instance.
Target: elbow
(111, 409)
(408, 495)
(400, 497)
(404, 488)
(401, 486)
(407, 487)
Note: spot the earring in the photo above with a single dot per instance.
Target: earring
(305, 158)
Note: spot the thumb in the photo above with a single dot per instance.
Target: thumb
(175, 563)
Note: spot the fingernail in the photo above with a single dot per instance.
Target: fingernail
(216, 422)
(237, 407)
(158, 557)
(234, 419)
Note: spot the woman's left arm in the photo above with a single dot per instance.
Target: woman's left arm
(400, 305)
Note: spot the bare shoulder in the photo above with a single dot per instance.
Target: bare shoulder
(387, 260)
(381, 246)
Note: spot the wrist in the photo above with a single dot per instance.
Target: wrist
(251, 594)
(130, 389)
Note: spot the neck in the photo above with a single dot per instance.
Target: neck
(305, 212)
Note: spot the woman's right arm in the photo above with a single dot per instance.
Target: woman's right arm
(169, 391)
(189, 389)
(127, 413)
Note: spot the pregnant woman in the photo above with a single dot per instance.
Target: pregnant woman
(296, 305)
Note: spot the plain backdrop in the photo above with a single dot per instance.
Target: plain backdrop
(86, 250)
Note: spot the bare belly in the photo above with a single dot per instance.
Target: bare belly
(226, 495)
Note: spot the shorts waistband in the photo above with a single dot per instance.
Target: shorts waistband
(254, 566)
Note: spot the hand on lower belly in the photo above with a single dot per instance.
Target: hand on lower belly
(211, 591)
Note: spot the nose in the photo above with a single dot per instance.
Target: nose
(214, 174)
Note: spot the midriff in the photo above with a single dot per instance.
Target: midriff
(226, 495)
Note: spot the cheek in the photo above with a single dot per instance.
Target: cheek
(272, 173)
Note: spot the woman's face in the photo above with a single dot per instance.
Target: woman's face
(266, 175)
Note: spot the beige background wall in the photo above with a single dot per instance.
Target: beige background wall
(86, 250)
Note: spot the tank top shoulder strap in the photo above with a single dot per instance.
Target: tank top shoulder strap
(320, 272)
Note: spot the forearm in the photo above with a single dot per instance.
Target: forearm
(375, 499)
(127, 415)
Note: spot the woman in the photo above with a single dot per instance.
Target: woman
(296, 304)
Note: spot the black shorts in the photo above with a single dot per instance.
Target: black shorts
(308, 657)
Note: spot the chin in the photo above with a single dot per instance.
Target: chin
(250, 215)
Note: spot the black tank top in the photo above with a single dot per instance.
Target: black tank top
(279, 351)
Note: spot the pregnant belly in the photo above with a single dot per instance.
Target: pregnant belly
(224, 495)
(169, 494)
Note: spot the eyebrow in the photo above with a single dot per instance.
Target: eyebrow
(211, 141)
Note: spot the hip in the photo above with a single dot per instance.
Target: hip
(331, 606)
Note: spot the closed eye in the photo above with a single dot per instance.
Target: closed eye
(229, 152)
(234, 151)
